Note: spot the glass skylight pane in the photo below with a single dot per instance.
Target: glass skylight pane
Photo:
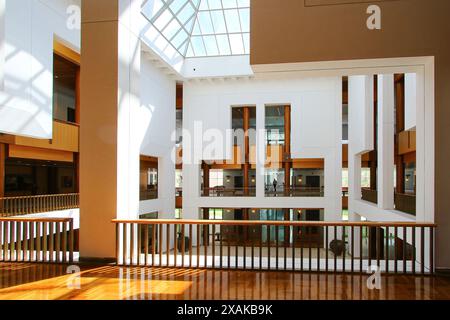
(211, 45)
(151, 8)
(229, 4)
(190, 51)
(205, 23)
(186, 13)
(176, 5)
(237, 46)
(182, 49)
(195, 3)
(218, 21)
(245, 19)
(203, 5)
(214, 4)
(196, 31)
(179, 38)
(188, 26)
(163, 20)
(224, 45)
(197, 45)
(246, 38)
(232, 18)
(171, 29)
(243, 3)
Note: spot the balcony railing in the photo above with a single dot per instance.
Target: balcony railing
(229, 192)
(37, 240)
(18, 206)
(405, 203)
(148, 194)
(265, 245)
(294, 192)
(369, 195)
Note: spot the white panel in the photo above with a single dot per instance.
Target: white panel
(410, 100)
(313, 122)
(26, 102)
(386, 115)
(360, 113)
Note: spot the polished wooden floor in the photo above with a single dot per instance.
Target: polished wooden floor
(53, 282)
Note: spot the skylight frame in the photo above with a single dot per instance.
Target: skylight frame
(186, 47)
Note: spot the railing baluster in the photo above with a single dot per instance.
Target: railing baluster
(335, 256)
(117, 243)
(405, 238)
(253, 248)
(5, 240)
(160, 244)
(167, 245)
(19, 241)
(326, 248)
(205, 243)
(58, 242)
(38, 241)
(139, 244)
(183, 245)
(51, 242)
(431, 250)
(352, 248)
(190, 245)
(125, 244)
(268, 247)
(45, 240)
(413, 256)
(276, 246)
(198, 245)
(344, 250)
(387, 249)
(132, 241)
(244, 248)
(64, 241)
(309, 249)
(221, 247)
(395, 249)
(378, 247)
(175, 245)
(361, 234)
(147, 243)
(369, 243)
(213, 245)
(260, 246)
(422, 250)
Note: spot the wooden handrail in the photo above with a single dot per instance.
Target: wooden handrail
(36, 219)
(276, 223)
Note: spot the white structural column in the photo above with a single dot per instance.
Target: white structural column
(261, 153)
(360, 115)
(385, 175)
(109, 157)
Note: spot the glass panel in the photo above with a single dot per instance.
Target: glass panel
(229, 4)
(179, 38)
(211, 45)
(245, 19)
(204, 5)
(237, 46)
(218, 21)
(205, 23)
(151, 8)
(171, 29)
(214, 4)
(232, 18)
(163, 20)
(197, 45)
(186, 13)
(246, 37)
(224, 45)
(176, 5)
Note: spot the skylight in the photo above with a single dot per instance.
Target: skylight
(202, 28)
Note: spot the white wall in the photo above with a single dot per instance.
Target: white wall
(410, 101)
(314, 135)
(156, 125)
(26, 93)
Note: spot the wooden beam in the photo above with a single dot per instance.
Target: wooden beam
(64, 51)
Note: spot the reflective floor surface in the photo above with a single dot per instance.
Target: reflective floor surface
(52, 282)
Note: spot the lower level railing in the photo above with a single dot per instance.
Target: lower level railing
(277, 245)
(17, 206)
(36, 240)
